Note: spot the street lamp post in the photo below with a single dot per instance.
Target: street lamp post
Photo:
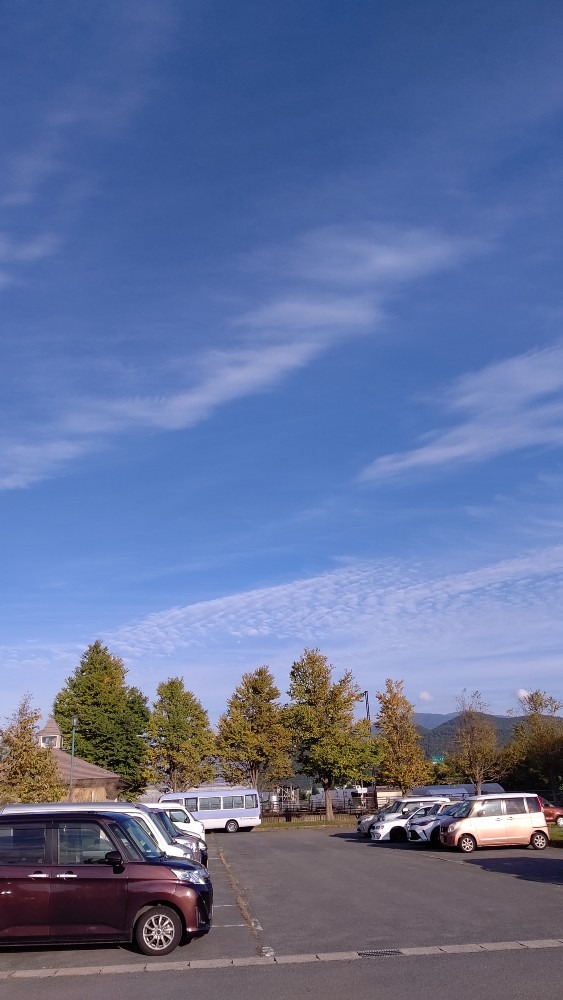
(74, 726)
(365, 695)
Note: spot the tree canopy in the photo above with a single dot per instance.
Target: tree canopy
(537, 741)
(182, 744)
(329, 745)
(404, 763)
(253, 741)
(112, 717)
(28, 772)
(477, 753)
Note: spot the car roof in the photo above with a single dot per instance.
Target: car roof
(43, 814)
(23, 808)
(500, 795)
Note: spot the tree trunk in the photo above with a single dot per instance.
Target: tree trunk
(328, 802)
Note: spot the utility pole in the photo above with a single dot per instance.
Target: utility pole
(70, 784)
(365, 695)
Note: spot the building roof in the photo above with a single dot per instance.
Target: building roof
(50, 728)
(82, 770)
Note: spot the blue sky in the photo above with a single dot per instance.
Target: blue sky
(282, 345)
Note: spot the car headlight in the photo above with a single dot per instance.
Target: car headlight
(196, 878)
(423, 822)
(452, 827)
(377, 826)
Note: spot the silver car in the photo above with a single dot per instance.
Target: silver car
(426, 829)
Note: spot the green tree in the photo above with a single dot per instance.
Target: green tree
(253, 742)
(329, 745)
(476, 753)
(112, 717)
(404, 763)
(28, 772)
(537, 741)
(182, 744)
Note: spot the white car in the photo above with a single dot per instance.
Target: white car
(392, 826)
(181, 817)
(426, 829)
(404, 807)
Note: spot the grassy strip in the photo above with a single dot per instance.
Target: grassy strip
(306, 823)
(556, 835)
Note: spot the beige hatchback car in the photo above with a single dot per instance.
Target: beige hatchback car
(496, 820)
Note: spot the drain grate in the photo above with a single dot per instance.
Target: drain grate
(379, 952)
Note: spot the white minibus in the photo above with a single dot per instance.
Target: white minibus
(226, 807)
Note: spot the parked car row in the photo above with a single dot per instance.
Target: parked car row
(516, 818)
(101, 872)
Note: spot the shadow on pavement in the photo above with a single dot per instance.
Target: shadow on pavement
(531, 869)
(353, 838)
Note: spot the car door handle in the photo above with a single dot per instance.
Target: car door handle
(67, 875)
(38, 875)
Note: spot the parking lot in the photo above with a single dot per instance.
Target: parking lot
(290, 895)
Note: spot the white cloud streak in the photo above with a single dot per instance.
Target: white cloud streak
(275, 338)
(508, 406)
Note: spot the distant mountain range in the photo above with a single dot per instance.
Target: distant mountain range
(437, 737)
(430, 720)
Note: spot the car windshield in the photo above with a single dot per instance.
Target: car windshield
(166, 822)
(137, 836)
(158, 822)
(436, 808)
(395, 808)
(423, 811)
(462, 810)
(451, 809)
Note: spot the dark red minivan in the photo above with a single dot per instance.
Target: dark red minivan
(95, 877)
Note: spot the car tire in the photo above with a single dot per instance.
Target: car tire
(435, 837)
(231, 826)
(398, 835)
(559, 821)
(158, 931)
(466, 843)
(539, 840)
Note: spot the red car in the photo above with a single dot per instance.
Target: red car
(553, 814)
(86, 877)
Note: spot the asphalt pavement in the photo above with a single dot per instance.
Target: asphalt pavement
(310, 910)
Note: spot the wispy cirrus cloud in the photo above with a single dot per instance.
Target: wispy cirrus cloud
(508, 406)
(498, 625)
(274, 337)
(366, 595)
(114, 81)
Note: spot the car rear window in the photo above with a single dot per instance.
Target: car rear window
(514, 807)
(177, 815)
(533, 803)
(22, 843)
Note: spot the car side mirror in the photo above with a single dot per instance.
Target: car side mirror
(114, 858)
